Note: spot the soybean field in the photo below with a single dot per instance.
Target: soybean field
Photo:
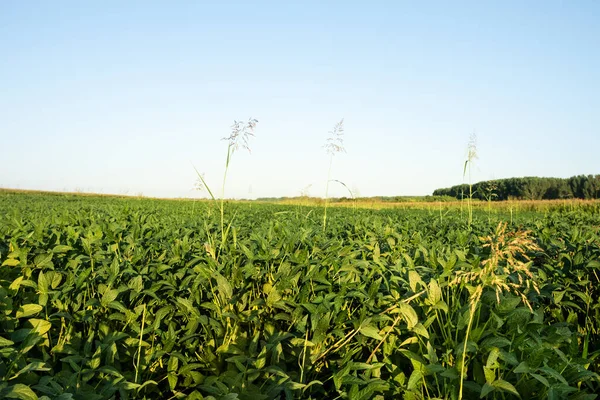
(127, 298)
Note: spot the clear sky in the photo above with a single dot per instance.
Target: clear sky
(124, 96)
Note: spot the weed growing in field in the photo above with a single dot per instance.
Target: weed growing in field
(489, 193)
(333, 145)
(471, 157)
(505, 270)
(241, 132)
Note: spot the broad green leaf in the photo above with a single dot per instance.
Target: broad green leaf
(485, 390)
(11, 262)
(414, 279)
(493, 357)
(109, 296)
(415, 379)
(28, 310)
(409, 315)
(542, 379)
(522, 368)
(40, 326)
(420, 330)
(224, 287)
(61, 248)
(43, 260)
(16, 284)
(96, 359)
(371, 332)
(19, 391)
(273, 297)
(434, 292)
(490, 375)
(505, 387)
(553, 373)
(33, 366)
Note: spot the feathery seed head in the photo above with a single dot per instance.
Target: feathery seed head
(335, 142)
(240, 134)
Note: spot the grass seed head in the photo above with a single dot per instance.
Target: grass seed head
(335, 141)
(472, 148)
(508, 259)
(240, 134)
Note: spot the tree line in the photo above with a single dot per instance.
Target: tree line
(529, 188)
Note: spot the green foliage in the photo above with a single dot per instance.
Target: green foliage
(129, 298)
(529, 188)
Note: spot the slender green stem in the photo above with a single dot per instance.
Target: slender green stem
(464, 355)
(327, 192)
(222, 208)
(137, 366)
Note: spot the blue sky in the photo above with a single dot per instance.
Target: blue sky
(123, 97)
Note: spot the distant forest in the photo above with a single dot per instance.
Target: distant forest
(529, 188)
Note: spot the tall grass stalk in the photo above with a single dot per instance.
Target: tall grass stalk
(241, 132)
(471, 156)
(349, 191)
(333, 145)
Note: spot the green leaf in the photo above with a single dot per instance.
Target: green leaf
(506, 387)
(16, 284)
(61, 248)
(56, 279)
(19, 391)
(409, 315)
(522, 368)
(224, 287)
(413, 279)
(273, 297)
(28, 310)
(434, 292)
(490, 375)
(96, 358)
(109, 296)
(33, 366)
(136, 284)
(371, 332)
(415, 379)
(594, 264)
(42, 283)
(5, 342)
(485, 390)
(493, 357)
(40, 326)
(11, 262)
(420, 330)
(173, 364)
(553, 373)
(43, 260)
(541, 379)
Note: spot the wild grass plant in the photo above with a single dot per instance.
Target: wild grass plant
(506, 269)
(241, 133)
(333, 146)
(470, 159)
